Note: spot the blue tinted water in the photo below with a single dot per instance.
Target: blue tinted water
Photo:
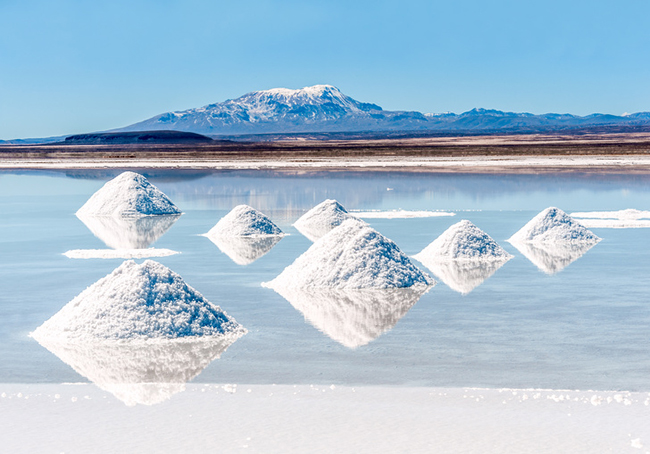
(585, 327)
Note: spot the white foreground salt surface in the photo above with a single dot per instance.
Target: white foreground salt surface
(288, 419)
(352, 256)
(244, 220)
(400, 214)
(128, 194)
(321, 219)
(137, 302)
(353, 317)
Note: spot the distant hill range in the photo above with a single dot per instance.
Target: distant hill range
(323, 112)
(324, 109)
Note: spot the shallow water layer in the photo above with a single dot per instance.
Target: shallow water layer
(580, 323)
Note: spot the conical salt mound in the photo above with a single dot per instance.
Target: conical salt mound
(244, 221)
(554, 226)
(321, 219)
(138, 302)
(353, 255)
(463, 241)
(128, 194)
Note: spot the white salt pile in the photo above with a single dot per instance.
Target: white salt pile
(463, 241)
(463, 257)
(138, 302)
(321, 219)
(244, 250)
(553, 226)
(353, 317)
(244, 221)
(353, 255)
(552, 240)
(128, 194)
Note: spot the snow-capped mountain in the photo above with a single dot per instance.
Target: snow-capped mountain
(323, 108)
(311, 109)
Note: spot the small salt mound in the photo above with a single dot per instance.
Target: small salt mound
(553, 226)
(128, 194)
(321, 219)
(463, 241)
(147, 301)
(353, 255)
(244, 221)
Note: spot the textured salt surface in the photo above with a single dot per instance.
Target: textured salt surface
(118, 253)
(290, 419)
(244, 250)
(128, 194)
(463, 241)
(553, 226)
(353, 255)
(147, 372)
(244, 221)
(147, 301)
(400, 214)
(552, 258)
(353, 317)
(119, 232)
(322, 219)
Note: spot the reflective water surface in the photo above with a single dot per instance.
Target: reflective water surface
(575, 319)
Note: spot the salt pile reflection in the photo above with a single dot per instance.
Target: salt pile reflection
(353, 317)
(552, 258)
(463, 276)
(244, 250)
(128, 232)
(144, 372)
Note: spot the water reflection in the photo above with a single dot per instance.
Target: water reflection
(353, 317)
(463, 276)
(140, 372)
(129, 232)
(245, 250)
(552, 258)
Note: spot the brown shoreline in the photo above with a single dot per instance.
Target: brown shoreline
(378, 155)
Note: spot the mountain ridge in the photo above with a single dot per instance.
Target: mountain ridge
(324, 108)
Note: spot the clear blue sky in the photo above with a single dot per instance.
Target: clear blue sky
(78, 66)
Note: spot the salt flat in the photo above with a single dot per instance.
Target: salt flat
(324, 419)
